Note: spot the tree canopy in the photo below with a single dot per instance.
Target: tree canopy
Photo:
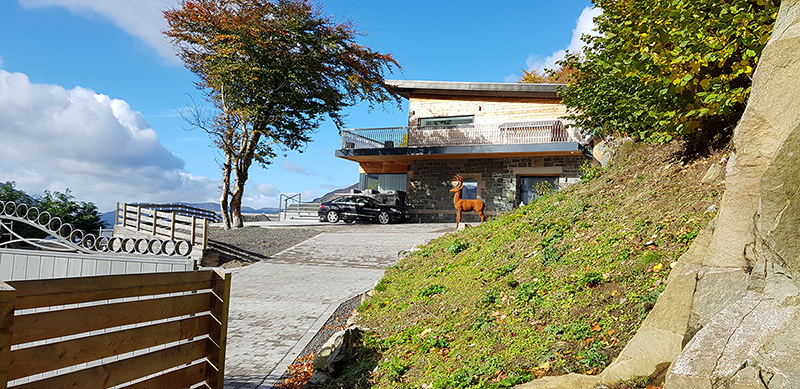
(274, 70)
(81, 215)
(662, 69)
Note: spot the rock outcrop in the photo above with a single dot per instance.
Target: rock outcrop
(727, 317)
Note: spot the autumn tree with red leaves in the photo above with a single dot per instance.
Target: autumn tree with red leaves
(273, 70)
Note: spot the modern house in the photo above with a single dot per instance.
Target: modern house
(502, 138)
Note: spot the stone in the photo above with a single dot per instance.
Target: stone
(716, 289)
(319, 378)
(337, 351)
(713, 174)
(731, 342)
(569, 381)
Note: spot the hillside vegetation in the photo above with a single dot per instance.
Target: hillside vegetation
(559, 285)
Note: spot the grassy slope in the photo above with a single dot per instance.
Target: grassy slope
(557, 286)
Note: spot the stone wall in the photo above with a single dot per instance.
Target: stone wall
(429, 183)
(484, 109)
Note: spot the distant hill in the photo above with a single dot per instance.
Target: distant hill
(329, 196)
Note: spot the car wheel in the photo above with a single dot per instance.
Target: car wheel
(332, 216)
(350, 221)
(384, 218)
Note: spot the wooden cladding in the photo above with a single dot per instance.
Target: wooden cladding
(169, 329)
(380, 167)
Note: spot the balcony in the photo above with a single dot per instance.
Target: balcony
(476, 134)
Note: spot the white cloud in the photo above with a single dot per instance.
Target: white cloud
(291, 167)
(142, 19)
(308, 195)
(101, 149)
(584, 25)
(267, 189)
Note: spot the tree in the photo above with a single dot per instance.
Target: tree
(273, 70)
(558, 75)
(81, 215)
(662, 69)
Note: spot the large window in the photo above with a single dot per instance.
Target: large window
(470, 189)
(531, 186)
(383, 182)
(447, 120)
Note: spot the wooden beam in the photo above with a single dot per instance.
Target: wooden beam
(61, 291)
(53, 324)
(125, 370)
(39, 359)
(183, 378)
(218, 332)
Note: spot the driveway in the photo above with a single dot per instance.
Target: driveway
(278, 305)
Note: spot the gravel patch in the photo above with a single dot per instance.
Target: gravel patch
(243, 246)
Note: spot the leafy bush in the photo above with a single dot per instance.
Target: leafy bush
(432, 290)
(457, 247)
(661, 69)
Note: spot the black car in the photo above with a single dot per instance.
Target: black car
(352, 208)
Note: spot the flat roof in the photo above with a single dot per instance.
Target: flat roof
(483, 89)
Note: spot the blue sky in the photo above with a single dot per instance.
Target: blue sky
(90, 92)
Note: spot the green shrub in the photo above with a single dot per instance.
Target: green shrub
(432, 290)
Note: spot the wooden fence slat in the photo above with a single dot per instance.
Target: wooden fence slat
(125, 370)
(47, 325)
(7, 297)
(218, 332)
(40, 359)
(182, 378)
(60, 291)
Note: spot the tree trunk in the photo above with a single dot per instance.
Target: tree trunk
(226, 189)
(241, 167)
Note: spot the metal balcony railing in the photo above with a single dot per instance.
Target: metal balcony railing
(502, 133)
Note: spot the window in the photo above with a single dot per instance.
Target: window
(383, 182)
(531, 186)
(470, 189)
(447, 120)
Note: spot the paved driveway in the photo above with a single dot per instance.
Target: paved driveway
(278, 305)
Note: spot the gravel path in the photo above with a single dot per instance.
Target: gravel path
(243, 246)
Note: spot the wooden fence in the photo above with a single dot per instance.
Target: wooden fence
(160, 330)
(168, 224)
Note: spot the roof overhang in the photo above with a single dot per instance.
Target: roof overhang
(406, 88)
(408, 154)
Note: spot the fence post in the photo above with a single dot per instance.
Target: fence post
(139, 217)
(218, 333)
(8, 297)
(172, 226)
(116, 214)
(205, 233)
(155, 221)
(194, 228)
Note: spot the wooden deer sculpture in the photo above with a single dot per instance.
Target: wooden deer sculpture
(465, 205)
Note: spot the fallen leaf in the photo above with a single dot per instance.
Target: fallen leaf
(657, 268)
(596, 327)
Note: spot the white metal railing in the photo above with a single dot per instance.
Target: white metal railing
(498, 133)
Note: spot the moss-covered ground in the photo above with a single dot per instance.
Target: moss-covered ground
(559, 285)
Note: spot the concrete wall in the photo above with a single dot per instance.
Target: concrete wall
(485, 109)
(429, 182)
